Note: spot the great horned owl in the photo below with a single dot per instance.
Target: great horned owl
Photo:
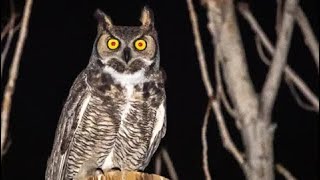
(115, 114)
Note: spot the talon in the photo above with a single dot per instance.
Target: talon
(115, 169)
(98, 172)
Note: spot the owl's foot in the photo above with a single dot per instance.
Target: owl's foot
(89, 170)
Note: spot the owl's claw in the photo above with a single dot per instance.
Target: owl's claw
(99, 175)
(98, 172)
(115, 169)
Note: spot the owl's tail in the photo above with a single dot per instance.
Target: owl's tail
(56, 167)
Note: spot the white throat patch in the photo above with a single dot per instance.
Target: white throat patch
(126, 79)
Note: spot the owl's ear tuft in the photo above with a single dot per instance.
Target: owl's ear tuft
(146, 17)
(104, 21)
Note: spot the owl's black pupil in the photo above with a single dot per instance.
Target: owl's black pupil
(140, 44)
(113, 43)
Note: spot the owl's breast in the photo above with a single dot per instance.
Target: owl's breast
(97, 130)
(138, 116)
(117, 127)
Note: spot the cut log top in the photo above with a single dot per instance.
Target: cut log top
(128, 175)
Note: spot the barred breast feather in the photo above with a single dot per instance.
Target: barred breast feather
(109, 126)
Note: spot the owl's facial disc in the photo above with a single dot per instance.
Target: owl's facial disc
(127, 49)
(125, 52)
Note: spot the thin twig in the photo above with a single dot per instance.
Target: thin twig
(284, 172)
(10, 86)
(158, 164)
(9, 25)
(246, 13)
(205, 163)
(278, 64)
(303, 88)
(289, 73)
(7, 44)
(226, 104)
(220, 89)
(297, 97)
(288, 81)
(225, 136)
(309, 36)
(5, 30)
(169, 164)
(260, 51)
(10, 30)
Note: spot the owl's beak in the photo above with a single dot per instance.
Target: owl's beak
(126, 54)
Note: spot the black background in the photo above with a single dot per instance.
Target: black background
(59, 45)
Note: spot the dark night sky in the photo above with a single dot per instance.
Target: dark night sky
(59, 45)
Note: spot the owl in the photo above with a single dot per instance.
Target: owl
(115, 114)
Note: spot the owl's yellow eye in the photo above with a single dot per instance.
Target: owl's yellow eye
(113, 43)
(140, 44)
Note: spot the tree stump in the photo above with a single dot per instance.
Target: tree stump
(128, 175)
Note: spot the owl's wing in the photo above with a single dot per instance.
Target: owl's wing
(158, 132)
(69, 119)
(160, 125)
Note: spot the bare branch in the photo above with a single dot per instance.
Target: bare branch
(304, 89)
(289, 73)
(169, 164)
(290, 82)
(10, 86)
(284, 172)
(215, 103)
(205, 164)
(199, 48)
(309, 37)
(273, 79)
(223, 26)
(257, 135)
(245, 12)
(227, 142)
(279, 16)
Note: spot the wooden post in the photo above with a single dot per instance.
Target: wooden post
(128, 175)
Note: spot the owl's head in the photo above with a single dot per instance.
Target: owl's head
(127, 49)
